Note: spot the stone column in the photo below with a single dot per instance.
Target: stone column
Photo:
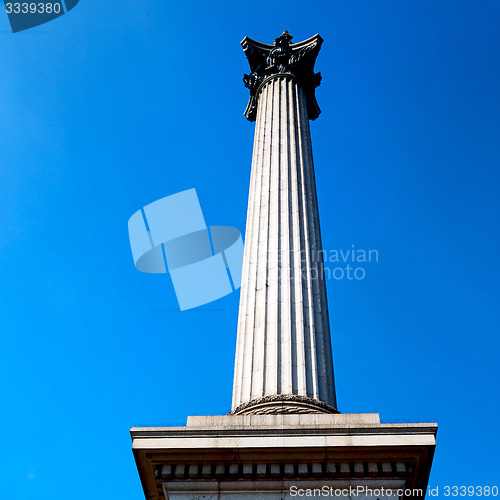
(283, 353)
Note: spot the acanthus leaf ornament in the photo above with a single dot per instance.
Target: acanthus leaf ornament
(282, 58)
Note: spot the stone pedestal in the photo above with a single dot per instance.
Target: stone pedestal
(277, 457)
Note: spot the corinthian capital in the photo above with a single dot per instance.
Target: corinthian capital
(295, 60)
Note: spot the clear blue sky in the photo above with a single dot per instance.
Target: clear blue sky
(117, 104)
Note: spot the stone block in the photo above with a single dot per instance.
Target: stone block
(166, 471)
(233, 470)
(206, 471)
(303, 470)
(400, 468)
(331, 469)
(386, 469)
(180, 470)
(261, 471)
(359, 470)
(317, 470)
(193, 471)
(220, 471)
(289, 470)
(247, 470)
(345, 470)
(275, 470)
(372, 469)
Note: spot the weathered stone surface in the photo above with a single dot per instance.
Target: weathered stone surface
(285, 421)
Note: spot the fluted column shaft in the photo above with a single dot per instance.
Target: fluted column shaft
(283, 343)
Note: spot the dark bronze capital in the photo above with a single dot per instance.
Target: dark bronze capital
(292, 59)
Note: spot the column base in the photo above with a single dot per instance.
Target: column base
(283, 403)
